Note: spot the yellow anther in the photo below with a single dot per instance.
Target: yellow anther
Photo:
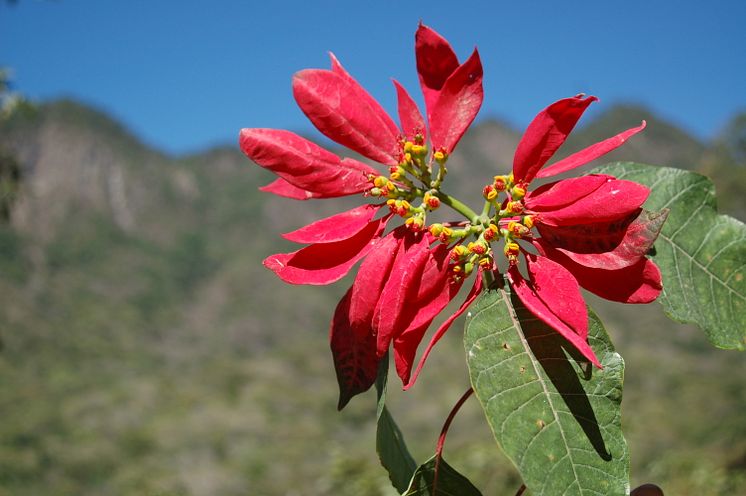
(514, 207)
(456, 269)
(485, 262)
(439, 156)
(477, 248)
(518, 192)
(511, 248)
(436, 229)
(391, 202)
(380, 182)
(459, 251)
(408, 146)
(407, 157)
(510, 178)
(489, 192)
(395, 175)
(518, 229)
(490, 233)
(390, 186)
(501, 183)
(419, 149)
(414, 223)
(528, 221)
(431, 201)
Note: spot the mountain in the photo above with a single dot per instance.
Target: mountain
(147, 351)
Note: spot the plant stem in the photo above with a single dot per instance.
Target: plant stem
(444, 431)
(487, 279)
(459, 207)
(486, 208)
(521, 490)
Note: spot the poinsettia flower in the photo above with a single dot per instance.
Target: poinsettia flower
(592, 230)
(405, 278)
(401, 286)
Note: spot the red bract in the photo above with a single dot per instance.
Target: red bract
(402, 285)
(592, 230)
(405, 279)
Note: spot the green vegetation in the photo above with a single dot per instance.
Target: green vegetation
(147, 352)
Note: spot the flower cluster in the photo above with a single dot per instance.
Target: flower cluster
(588, 232)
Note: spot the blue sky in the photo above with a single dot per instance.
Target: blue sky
(185, 75)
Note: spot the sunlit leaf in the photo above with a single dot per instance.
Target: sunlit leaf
(701, 254)
(554, 415)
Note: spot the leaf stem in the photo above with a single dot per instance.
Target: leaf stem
(487, 279)
(459, 207)
(444, 431)
(486, 208)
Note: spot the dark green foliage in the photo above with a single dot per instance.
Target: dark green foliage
(555, 416)
(390, 446)
(448, 483)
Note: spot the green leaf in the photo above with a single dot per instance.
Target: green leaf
(554, 416)
(701, 254)
(450, 482)
(390, 446)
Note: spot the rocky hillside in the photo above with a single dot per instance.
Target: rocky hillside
(146, 351)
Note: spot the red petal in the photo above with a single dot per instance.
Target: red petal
(335, 228)
(557, 287)
(473, 293)
(410, 117)
(564, 192)
(436, 61)
(457, 104)
(371, 277)
(637, 283)
(341, 109)
(281, 187)
(606, 245)
(354, 353)
(325, 263)
(400, 289)
(304, 164)
(545, 135)
(613, 200)
(591, 153)
(435, 292)
(545, 313)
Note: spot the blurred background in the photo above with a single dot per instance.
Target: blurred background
(145, 350)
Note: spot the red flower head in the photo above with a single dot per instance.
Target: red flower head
(404, 281)
(592, 231)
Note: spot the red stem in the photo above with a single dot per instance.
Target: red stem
(444, 431)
